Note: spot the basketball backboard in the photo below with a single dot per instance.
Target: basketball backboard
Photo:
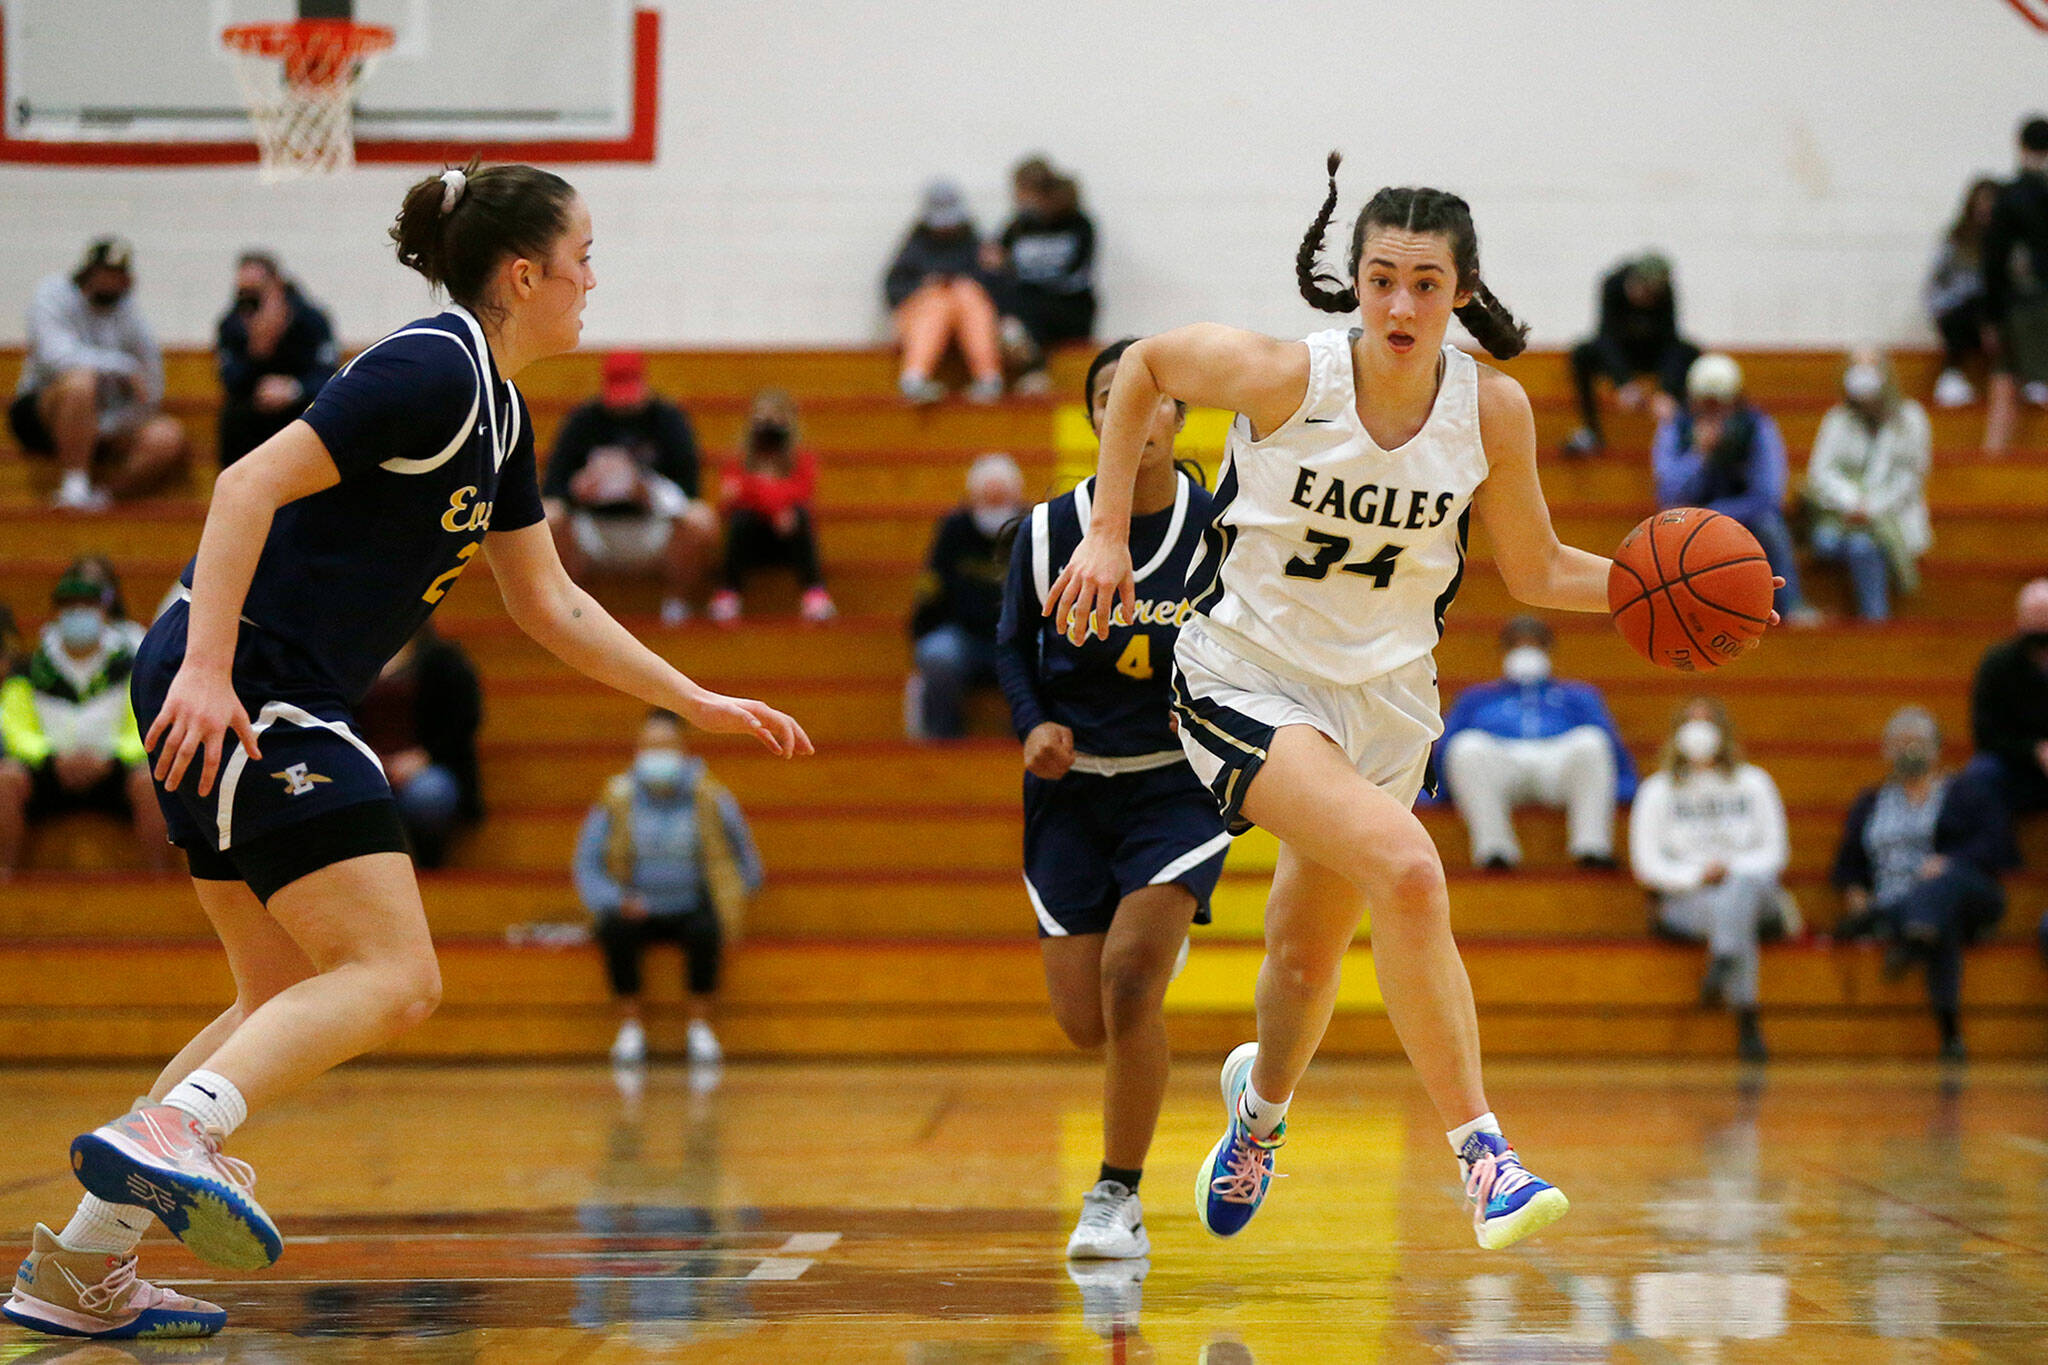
(147, 82)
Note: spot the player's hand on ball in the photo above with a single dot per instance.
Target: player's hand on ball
(1049, 751)
(1086, 595)
(724, 715)
(197, 714)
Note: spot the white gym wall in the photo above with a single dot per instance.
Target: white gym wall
(1797, 159)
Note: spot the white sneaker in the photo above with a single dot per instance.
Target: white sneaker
(702, 1048)
(630, 1047)
(986, 391)
(1953, 390)
(77, 495)
(1112, 1293)
(2035, 395)
(1112, 1226)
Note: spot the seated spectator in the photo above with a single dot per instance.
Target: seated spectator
(621, 488)
(1530, 739)
(421, 717)
(768, 511)
(938, 295)
(1955, 294)
(665, 857)
(2015, 268)
(960, 599)
(92, 385)
(1918, 866)
(99, 569)
(275, 349)
(1725, 454)
(2009, 708)
(1707, 838)
(1044, 266)
(68, 730)
(1866, 485)
(1637, 348)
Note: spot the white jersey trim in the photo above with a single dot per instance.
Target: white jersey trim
(1041, 551)
(400, 465)
(1193, 858)
(238, 761)
(1083, 503)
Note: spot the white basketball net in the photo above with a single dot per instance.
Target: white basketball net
(300, 87)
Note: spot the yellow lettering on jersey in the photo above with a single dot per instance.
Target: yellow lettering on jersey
(463, 514)
(1136, 660)
(438, 589)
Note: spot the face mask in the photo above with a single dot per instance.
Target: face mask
(104, 299)
(1525, 664)
(770, 436)
(248, 301)
(1913, 761)
(990, 520)
(1863, 383)
(660, 768)
(79, 627)
(1698, 740)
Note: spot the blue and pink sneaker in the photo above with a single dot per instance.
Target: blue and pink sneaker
(1232, 1182)
(161, 1158)
(1508, 1203)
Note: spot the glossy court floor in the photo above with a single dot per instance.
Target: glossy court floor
(917, 1214)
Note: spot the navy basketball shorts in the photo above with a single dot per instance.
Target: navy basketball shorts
(316, 796)
(1090, 840)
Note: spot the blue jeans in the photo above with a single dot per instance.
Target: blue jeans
(1869, 572)
(951, 660)
(429, 806)
(1776, 538)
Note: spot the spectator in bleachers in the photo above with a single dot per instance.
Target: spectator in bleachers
(938, 294)
(68, 729)
(2016, 288)
(1707, 838)
(98, 568)
(960, 598)
(275, 348)
(1530, 738)
(1044, 267)
(1918, 866)
(1955, 294)
(1723, 453)
(621, 490)
(665, 856)
(1866, 485)
(421, 717)
(2009, 708)
(92, 385)
(1636, 348)
(768, 511)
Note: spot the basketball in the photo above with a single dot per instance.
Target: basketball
(1690, 589)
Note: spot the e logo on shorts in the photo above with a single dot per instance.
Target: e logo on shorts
(297, 781)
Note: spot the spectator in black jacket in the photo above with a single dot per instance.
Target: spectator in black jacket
(960, 598)
(1918, 866)
(621, 488)
(2016, 288)
(1045, 269)
(275, 348)
(421, 717)
(938, 294)
(1637, 348)
(2009, 708)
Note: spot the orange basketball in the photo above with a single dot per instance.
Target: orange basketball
(1690, 589)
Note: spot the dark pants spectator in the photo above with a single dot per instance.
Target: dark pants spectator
(1591, 359)
(1962, 333)
(2022, 786)
(431, 808)
(697, 933)
(950, 661)
(1933, 922)
(244, 426)
(753, 542)
(1050, 318)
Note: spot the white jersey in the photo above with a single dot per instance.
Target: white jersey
(1328, 558)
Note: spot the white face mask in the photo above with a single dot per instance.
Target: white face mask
(1862, 383)
(1698, 740)
(661, 769)
(1525, 664)
(990, 520)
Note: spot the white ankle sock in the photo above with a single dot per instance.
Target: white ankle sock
(100, 1226)
(1485, 1123)
(1260, 1115)
(212, 1099)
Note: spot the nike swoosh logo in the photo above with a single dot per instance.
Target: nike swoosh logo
(204, 1091)
(1317, 421)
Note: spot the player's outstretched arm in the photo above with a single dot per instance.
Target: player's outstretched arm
(1538, 569)
(568, 623)
(1206, 365)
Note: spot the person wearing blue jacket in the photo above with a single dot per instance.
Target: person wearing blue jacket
(1727, 455)
(1531, 739)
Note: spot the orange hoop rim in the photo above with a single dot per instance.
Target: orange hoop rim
(304, 37)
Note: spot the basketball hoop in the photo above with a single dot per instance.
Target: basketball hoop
(299, 78)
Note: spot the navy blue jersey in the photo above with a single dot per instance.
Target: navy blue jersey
(1113, 694)
(434, 449)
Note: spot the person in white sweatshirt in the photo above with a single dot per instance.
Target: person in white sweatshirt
(1866, 485)
(1707, 837)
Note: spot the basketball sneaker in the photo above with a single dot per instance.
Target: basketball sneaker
(1112, 1294)
(70, 1293)
(1233, 1180)
(1112, 1226)
(162, 1159)
(1508, 1203)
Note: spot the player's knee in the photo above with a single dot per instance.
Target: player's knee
(1081, 1021)
(1132, 988)
(408, 992)
(1409, 878)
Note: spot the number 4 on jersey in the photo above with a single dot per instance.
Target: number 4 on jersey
(1136, 660)
(1329, 549)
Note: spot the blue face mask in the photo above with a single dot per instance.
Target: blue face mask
(661, 769)
(80, 627)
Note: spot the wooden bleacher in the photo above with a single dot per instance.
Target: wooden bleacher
(894, 922)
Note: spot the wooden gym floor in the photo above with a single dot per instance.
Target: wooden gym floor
(1882, 1212)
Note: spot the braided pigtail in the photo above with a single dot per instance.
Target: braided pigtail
(1492, 325)
(1314, 282)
